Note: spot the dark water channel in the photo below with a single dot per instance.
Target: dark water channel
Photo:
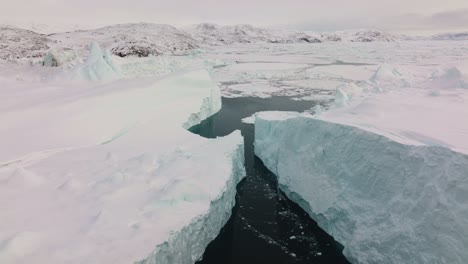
(265, 227)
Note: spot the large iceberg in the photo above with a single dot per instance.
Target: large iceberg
(108, 173)
(385, 201)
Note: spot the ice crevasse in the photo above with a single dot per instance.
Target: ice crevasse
(383, 200)
(108, 173)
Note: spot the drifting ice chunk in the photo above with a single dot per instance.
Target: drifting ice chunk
(449, 78)
(385, 73)
(98, 66)
(341, 97)
(249, 120)
(387, 77)
(317, 109)
(50, 60)
(273, 114)
(346, 92)
(59, 57)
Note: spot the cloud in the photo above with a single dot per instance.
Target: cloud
(450, 19)
(302, 14)
(446, 20)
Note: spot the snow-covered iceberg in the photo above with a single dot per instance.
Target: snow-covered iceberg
(108, 173)
(60, 57)
(449, 78)
(98, 66)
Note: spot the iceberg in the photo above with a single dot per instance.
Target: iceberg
(388, 77)
(449, 78)
(59, 57)
(98, 66)
(385, 201)
(317, 109)
(108, 173)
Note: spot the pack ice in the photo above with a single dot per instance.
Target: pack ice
(385, 173)
(108, 173)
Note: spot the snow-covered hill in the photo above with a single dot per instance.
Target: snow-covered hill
(47, 28)
(372, 36)
(363, 35)
(212, 34)
(145, 39)
(17, 44)
(451, 36)
(142, 39)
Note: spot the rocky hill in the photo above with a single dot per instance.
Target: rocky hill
(18, 44)
(142, 39)
(212, 34)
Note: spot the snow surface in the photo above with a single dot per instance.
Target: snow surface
(107, 173)
(384, 171)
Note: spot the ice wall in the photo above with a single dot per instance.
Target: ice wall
(210, 105)
(384, 201)
(187, 245)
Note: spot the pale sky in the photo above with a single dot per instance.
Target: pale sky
(300, 14)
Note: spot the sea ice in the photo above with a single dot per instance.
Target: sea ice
(249, 120)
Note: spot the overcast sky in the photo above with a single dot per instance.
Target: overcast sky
(301, 14)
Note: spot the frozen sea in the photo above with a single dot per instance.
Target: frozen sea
(117, 148)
